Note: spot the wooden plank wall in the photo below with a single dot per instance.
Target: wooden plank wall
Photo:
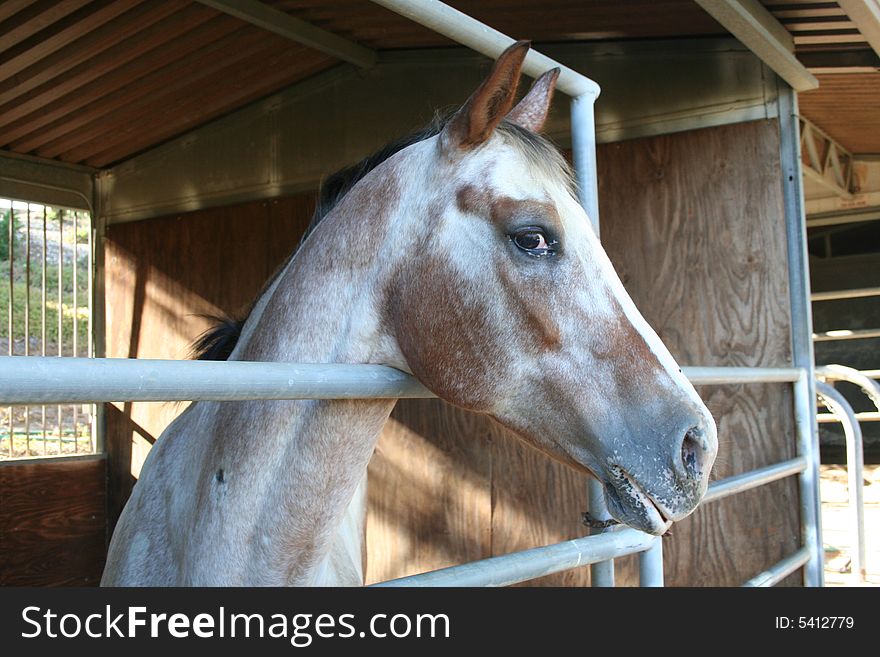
(53, 525)
(694, 224)
(693, 221)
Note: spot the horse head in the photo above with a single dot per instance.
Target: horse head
(507, 304)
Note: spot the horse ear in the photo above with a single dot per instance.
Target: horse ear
(531, 112)
(480, 115)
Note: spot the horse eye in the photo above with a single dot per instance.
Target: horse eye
(534, 242)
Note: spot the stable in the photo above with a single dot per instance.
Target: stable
(193, 136)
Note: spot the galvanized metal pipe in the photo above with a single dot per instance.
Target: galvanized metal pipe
(846, 294)
(43, 281)
(583, 148)
(75, 301)
(806, 432)
(11, 310)
(602, 572)
(838, 405)
(705, 376)
(781, 570)
(537, 562)
(801, 327)
(461, 28)
(79, 380)
(60, 336)
(651, 565)
(851, 375)
(36, 380)
(27, 321)
(828, 418)
(754, 478)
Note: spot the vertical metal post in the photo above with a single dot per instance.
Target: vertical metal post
(27, 320)
(75, 322)
(651, 565)
(60, 336)
(97, 336)
(583, 148)
(801, 329)
(11, 312)
(43, 319)
(90, 348)
(855, 464)
(601, 573)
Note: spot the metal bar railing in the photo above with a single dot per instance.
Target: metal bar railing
(857, 293)
(781, 570)
(77, 380)
(86, 380)
(529, 564)
(851, 375)
(828, 418)
(754, 478)
(838, 405)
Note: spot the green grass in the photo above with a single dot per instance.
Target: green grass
(19, 305)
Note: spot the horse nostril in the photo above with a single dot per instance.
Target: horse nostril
(692, 449)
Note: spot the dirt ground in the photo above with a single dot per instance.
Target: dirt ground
(836, 526)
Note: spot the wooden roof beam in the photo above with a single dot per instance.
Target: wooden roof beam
(759, 31)
(290, 27)
(866, 16)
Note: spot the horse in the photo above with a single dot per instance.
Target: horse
(462, 257)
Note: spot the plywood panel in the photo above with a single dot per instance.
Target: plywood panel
(163, 276)
(429, 491)
(53, 528)
(694, 225)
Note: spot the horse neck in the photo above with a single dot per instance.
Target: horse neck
(303, 460)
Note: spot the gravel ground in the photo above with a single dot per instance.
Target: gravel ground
(836, 525)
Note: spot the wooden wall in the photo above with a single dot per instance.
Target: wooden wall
(53, 525)
(694, 223)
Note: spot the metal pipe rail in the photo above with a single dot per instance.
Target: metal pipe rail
(838, 405)
(828, 418)
(522, 566)
(528, 564)
(858, 293)
(55, 380)
(781, 570)
(69, 380)
(851, 375)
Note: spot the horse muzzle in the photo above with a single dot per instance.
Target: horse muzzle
(653, 502)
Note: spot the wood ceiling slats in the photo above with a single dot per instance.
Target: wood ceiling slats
(96, 82)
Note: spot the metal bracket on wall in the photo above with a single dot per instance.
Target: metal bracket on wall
(825, 161)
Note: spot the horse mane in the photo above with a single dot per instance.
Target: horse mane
(218, 342)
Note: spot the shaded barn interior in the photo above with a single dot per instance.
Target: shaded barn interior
(447, 486)
(197, 140)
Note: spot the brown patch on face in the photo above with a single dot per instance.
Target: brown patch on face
(528, 300)
(445, 333)
(620, 344)
(501, 210)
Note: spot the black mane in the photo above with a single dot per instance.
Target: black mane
(218, 342)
